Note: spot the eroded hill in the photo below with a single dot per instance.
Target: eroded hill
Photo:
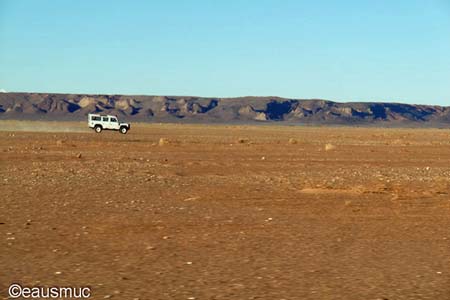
(38, 106)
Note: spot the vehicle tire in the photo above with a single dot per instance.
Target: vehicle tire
(98, 129)
(123, 130)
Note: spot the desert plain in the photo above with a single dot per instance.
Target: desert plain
(173, 211)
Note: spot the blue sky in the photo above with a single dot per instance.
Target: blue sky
(338, 50)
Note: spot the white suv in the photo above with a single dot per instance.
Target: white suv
(107, 122)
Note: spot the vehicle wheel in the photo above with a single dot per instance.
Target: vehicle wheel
(123, 130)
(98, 129)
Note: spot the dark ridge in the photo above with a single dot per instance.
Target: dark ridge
(41, 106)
(276, 110)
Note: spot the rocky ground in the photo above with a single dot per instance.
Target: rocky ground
(227, 212)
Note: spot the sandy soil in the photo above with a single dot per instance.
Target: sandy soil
(227, 212)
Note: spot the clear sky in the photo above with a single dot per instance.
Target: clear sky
(360, 50)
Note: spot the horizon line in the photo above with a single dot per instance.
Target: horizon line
(3, 91)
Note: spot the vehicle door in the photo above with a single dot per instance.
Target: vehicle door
(114, 123)
(105, 123)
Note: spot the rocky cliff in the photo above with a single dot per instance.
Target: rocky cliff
(39, 106)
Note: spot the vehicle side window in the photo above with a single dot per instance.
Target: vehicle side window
(96, 119)
(105, 119)
(113, 120)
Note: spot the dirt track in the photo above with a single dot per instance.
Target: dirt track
(228, 212)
